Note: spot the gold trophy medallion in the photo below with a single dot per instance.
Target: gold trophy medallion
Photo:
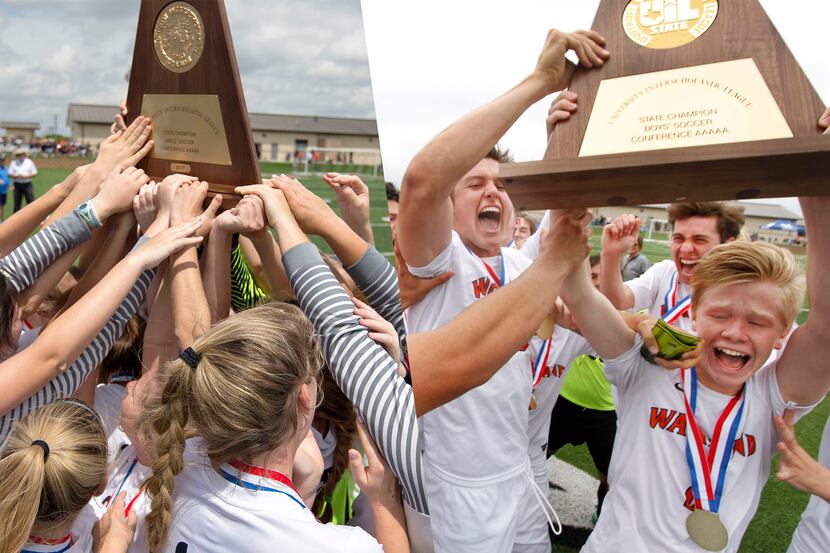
(707, 530)
(178, 37)
(668, 23)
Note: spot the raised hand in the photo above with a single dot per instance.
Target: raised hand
(797, 468)
(248, 216)
(168, 187)
(588, 46)
(145, 205)
(187, 204)
(126, 148)
(414, 289)
(276, 206)
(566, 242)
(167, 242)
(312, 213)
(118, 190)
(561, 109)
(353, 199)
(114, 532)
(620, 234)
(380, 330)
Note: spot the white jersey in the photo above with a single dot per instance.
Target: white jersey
(126, 473)
(565, 347)
(650, 483)
(658, 290)
(459, 437)
(813, 532)
(226, 509)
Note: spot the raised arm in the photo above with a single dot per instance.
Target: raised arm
(121, 151)
(465, 353)
(62, 342)
(247, 216)
(115, 196)
(617, 238)
(20, 225)
(425, 219)
(363, 370)
(369, 269)
(599, 321)
(191, 314)
(803, 373)
(353, 198)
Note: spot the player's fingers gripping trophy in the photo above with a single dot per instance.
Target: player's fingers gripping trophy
(588, 46)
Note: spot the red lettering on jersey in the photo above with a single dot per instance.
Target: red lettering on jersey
(661, 416)
(679, 425)
(558, 371)
(481, 287)
(545, 372)
(745, 445)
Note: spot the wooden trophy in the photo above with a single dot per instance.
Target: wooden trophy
(700, 100)
(184, 76)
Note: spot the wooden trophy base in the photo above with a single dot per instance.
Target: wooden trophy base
(763, 169)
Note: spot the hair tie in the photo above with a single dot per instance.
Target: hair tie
(44, 446)
(190, 357)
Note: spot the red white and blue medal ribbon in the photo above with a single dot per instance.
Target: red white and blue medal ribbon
(541, 361)
(708, 468)
(259, 479)
(497, 279)
(672, 309)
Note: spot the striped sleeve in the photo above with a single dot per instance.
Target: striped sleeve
(67, 383)
(362, 369)
(24, 265)
(376, 277)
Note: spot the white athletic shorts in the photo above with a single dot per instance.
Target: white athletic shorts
(483, 519)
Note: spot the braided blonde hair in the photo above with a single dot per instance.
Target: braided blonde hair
(39, 493)
(242, 399)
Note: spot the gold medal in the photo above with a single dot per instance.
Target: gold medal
(707, 530)
(533, 403)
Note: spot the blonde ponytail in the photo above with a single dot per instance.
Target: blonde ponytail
(241, 399)
(39, 491)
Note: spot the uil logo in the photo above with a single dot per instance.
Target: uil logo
(668, 23)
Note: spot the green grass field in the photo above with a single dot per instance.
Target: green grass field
(781, 505)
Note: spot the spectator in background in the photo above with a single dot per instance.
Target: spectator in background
(525, 227)
(392, 198)
(635, 263)
(4, 186)
(22, 170)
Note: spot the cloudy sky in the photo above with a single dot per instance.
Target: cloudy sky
(294, 57)
(432, 61)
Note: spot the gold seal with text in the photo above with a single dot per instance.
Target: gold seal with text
(668, 23)
(178, 37)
